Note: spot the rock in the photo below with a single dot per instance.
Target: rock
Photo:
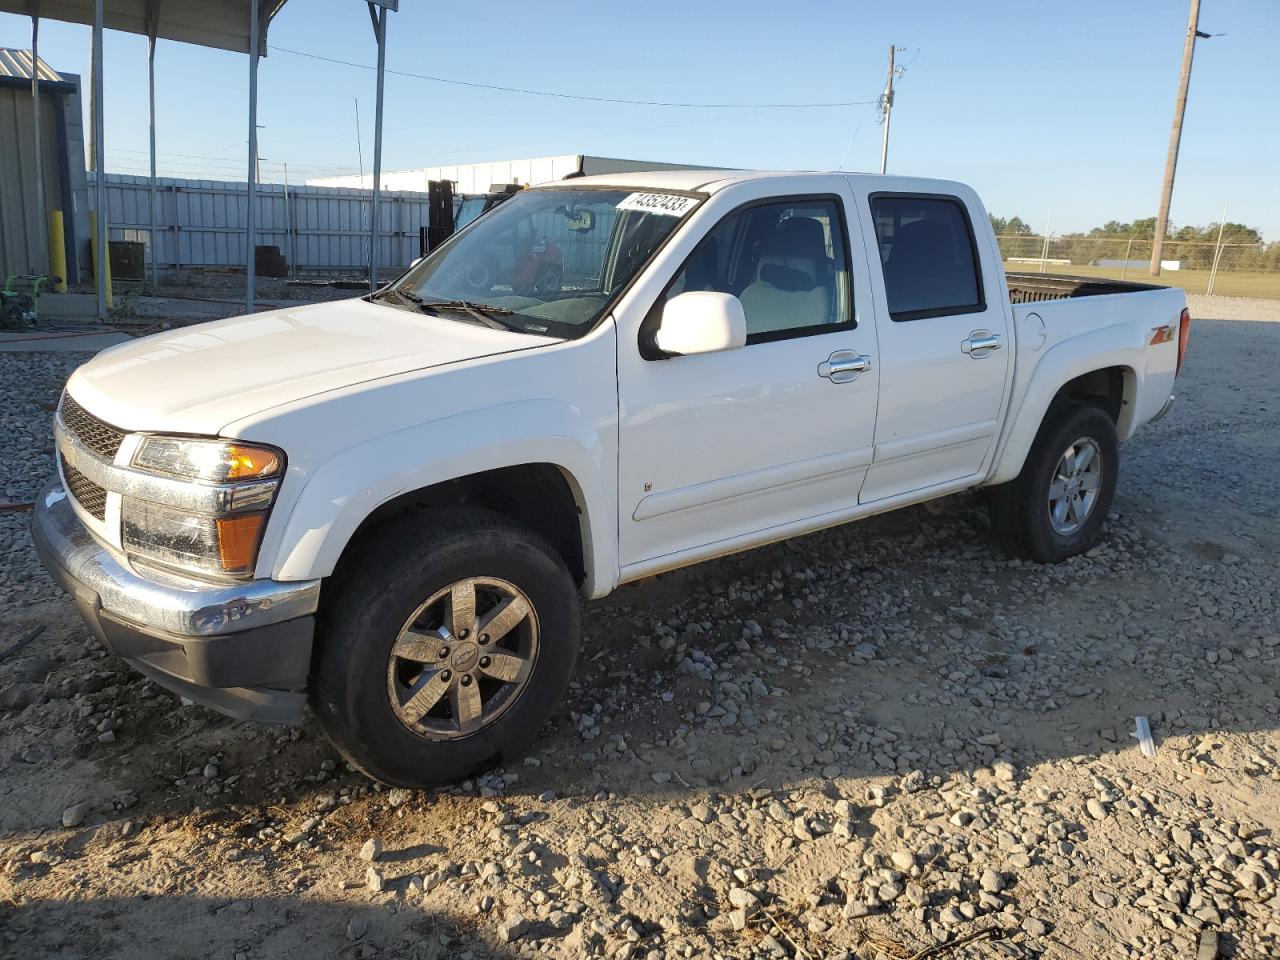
(889, 892)
(903, 860)
(1004, 771)
(738, 919)
(743, 898)
(1035, 927)
(373, 880)
(991, 881)
(371, 850)
(1096, 809)
(74, 815)
(513, 928)
(357, 927)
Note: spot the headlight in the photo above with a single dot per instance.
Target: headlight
(212, 460)
(212, 533)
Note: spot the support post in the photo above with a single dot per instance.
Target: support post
(152, 25)
(1175, 138)
(1044, 250)
(374, 225)
(886, 103)
(1217, 251)
(290, 246)
(101, 256)
(251, 236)
(41, 243)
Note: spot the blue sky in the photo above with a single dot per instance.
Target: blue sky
(1037, 104)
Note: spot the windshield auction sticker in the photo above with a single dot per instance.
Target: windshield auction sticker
(666, 204)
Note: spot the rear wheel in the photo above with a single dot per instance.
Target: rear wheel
(447, 649)
(1055, 508)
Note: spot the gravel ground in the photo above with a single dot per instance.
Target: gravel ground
(862, 743)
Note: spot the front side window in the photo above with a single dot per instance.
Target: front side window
(785, 261)
(546, 261)
(927, 252)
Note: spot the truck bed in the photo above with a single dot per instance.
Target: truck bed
(1037, 287)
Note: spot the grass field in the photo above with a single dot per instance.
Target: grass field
(1227, 283)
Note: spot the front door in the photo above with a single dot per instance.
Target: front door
(944, 346)
(723, 445)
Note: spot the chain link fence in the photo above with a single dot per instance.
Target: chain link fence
(1229, 269)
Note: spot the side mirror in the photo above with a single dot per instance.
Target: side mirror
(702, 321)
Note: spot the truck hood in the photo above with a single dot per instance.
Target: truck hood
(198, 379)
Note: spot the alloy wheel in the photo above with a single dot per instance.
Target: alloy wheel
(1073, 489)
(463, 658)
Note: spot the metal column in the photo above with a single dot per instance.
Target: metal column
(99, 163)
(252, 191)
(153, 19)
(41, 214)
(380, 26)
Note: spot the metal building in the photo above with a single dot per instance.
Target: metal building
(60, 185)
(472, 178)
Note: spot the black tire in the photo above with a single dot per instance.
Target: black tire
(1020, 511)
(392, 573)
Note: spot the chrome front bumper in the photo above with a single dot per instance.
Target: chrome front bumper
(242, 648)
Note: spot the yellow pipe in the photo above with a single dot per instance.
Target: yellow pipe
(106, 260)
(57, 251)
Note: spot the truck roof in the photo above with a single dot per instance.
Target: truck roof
(712, 180)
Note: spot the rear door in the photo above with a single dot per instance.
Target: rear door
(944, 342)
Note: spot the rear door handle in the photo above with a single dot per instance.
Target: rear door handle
(843, 366)
(980, 344)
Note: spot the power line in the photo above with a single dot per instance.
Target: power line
(576, 96)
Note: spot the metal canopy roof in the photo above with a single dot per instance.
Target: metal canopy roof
(223, 24)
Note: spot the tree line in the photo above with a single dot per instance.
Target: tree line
(1142, 229)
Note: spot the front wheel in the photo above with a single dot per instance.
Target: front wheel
(1055, 508)
(447, 649)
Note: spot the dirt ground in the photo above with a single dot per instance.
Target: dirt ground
(863, 743)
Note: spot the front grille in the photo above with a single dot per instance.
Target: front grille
(102, 438)
(88, 494)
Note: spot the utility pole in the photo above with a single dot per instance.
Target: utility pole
(1175, 137)
(886, 106)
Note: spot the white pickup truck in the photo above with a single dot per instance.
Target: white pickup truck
(389, 506)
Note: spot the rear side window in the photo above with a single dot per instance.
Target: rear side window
(928, 255)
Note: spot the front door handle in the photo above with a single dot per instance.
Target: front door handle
(843, 366)
(980, 344)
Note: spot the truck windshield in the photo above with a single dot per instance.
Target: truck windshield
(547, 261)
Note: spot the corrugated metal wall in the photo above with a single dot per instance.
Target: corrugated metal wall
(24, 246)
(201, 223)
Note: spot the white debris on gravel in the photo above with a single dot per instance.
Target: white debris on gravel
(870, 741)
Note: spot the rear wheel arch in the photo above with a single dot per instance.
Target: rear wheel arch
(1111, 389)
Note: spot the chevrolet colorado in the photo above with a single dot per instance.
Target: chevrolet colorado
(389, 507)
